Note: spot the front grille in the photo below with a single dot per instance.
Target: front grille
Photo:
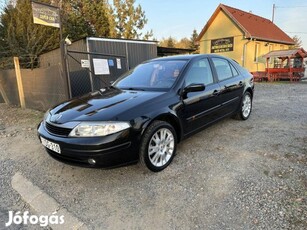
(57, 130)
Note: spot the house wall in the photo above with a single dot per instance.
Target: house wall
(263, 48)
(223, 27)
(243, 49)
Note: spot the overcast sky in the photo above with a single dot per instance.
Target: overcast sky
(178, 18)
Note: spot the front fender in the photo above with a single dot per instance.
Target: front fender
(169, 117)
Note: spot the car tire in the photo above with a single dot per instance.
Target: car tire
(245, 107)
(158, 146)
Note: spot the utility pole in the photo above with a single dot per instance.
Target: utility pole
(273, 13)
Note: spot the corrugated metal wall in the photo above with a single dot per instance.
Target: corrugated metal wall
(101, 45)
(136, 52)
(53, 57)
(83, 80)
(48, 85)
(140, 52)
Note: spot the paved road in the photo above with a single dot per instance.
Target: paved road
(236, 175)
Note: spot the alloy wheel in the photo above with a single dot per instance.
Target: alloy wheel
(161, 147)
(246, 105)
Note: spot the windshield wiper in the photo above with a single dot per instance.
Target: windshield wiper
(114, 87)
(108, 88)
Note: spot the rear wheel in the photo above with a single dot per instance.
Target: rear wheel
(245, 107)
(158, 146)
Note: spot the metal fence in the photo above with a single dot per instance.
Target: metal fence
(88, 64)
(92, 71)
(49, 85)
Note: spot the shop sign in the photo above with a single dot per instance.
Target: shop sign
(222, 45)
(44, 14)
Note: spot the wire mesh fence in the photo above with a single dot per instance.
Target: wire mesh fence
(92, 71)
(45, 86)
(25, 62)
(46, 83)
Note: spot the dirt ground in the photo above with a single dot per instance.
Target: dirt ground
(234, 175)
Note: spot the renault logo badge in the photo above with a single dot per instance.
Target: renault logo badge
(56, 118)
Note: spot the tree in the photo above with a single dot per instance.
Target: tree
(98, 18)
(149, 36)
(169, 42)
(20, 37)
(86, 18)
(298, 42)
(184, 43)
(128, 19)
(193, 43)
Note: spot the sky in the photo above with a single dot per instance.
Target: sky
(178, 18)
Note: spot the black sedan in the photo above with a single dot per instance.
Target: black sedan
(147, 111)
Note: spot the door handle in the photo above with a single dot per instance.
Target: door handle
(216, 92)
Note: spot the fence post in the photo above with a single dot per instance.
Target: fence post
(19, 83)
(65, 68)
(3, 94)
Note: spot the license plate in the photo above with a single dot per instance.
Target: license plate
(50, 145)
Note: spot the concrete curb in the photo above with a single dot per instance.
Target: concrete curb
(43, 204)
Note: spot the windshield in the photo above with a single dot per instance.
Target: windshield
(152, 75)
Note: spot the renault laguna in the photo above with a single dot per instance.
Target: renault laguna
(144, 114)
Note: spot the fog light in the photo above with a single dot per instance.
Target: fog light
(91, 161)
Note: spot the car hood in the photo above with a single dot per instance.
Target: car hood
(101, 105)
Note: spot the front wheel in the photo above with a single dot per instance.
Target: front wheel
(158, 146)
(245, 107)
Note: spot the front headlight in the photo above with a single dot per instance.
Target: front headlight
(96, 129)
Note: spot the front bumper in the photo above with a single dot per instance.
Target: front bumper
(109, 151)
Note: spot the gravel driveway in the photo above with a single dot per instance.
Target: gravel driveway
(233, 175)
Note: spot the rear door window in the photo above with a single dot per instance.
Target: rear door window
(223, 69)
(234, 71)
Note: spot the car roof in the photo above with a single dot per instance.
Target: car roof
(186, 57)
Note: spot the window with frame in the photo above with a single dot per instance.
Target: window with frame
(199, 73)
(256, 54)
(270, 49)
(223, 68)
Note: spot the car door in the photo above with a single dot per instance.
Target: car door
(200, 108)
(231, 84)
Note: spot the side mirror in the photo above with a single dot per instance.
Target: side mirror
(194, 88)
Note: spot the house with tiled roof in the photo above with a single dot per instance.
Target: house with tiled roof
(242, 36)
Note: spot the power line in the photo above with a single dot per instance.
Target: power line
(276, 7)
(296, 32)
(284, 7)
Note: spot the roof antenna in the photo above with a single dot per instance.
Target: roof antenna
(273, 13)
